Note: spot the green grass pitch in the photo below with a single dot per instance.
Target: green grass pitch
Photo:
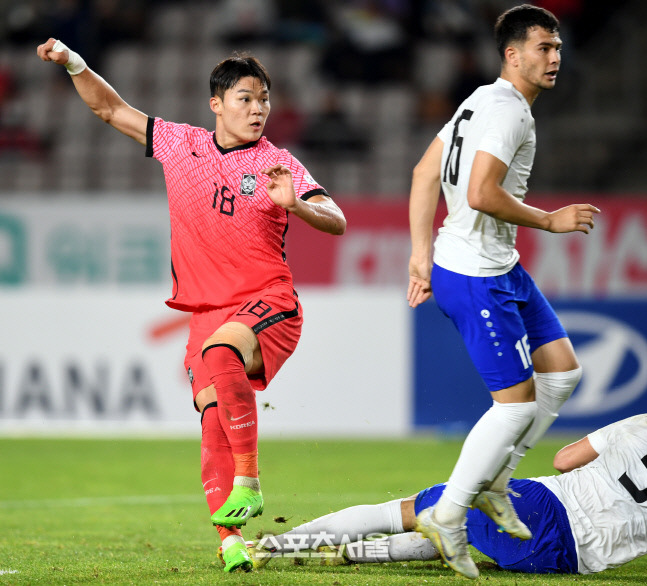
(81, 511)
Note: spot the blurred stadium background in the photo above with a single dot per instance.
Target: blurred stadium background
(360, 88)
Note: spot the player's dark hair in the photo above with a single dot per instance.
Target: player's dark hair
(513, 25)
(230, 71)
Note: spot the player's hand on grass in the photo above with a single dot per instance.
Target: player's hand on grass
(281, 188)
(574, 218)
(419, 289)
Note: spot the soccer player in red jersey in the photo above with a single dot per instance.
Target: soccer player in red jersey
(230, 193)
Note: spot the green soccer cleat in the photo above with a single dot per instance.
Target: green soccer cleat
(450, 542)
(498, 507)
(333, 555)
(235, 558)
(242, 504)
(259, 554)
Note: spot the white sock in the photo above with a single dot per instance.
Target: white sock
(552, 390)
(248, 481)
(230, 540)
(486, 448)
(403, 547)
(345, 526)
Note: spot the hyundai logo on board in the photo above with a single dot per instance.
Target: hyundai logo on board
(613, 356)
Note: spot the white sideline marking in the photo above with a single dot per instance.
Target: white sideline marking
(160, 499)
(101, 501)
(8, 572)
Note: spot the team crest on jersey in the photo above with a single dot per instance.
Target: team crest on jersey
(248, 184)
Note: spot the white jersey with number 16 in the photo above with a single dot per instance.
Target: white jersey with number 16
(496, 119)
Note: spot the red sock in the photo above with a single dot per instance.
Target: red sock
(225, 532)
(246, 464)
(217, 460)
(217, 465)
(236, 405)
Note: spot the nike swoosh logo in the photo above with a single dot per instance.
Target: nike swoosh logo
(241, 417)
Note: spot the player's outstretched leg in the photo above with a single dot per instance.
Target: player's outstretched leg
(499, 508)
(451, 542)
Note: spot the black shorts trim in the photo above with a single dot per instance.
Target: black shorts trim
(213, 404)
(276, 318)
(235, 350)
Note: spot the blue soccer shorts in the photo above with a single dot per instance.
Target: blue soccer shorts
(552, 547)
(502, 320)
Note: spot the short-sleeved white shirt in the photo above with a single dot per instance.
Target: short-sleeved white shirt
(496, 119)
(606, 500)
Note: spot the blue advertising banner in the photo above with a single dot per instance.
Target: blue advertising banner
(610, 339)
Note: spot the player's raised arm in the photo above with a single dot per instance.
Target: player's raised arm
(423, 201)
(320, 211)
(101, 98)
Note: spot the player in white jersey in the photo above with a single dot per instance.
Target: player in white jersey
(482, 160)
(606, 500)
(591, 518)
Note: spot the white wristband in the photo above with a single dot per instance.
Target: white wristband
(75, 63)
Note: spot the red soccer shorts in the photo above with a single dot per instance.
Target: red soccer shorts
(274, 315)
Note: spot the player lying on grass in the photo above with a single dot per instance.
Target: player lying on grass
(590, 518)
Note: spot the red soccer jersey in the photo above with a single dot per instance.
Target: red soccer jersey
(227, 235)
